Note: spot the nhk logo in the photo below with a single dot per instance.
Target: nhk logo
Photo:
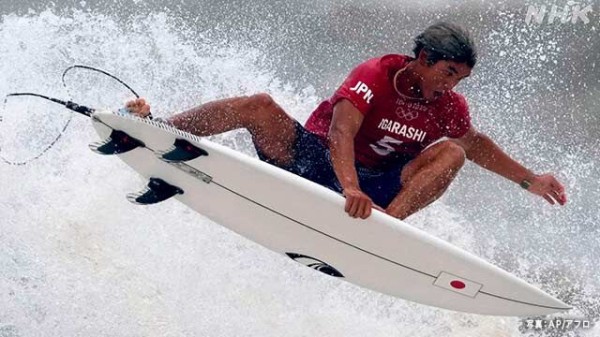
(360, 88)
(572, 12)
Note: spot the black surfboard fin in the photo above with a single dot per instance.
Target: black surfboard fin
(157, 190)
(117, 142)
(181, 151)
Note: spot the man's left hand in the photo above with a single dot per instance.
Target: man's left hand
(547, 186)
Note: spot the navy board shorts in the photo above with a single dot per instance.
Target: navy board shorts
(312, 161)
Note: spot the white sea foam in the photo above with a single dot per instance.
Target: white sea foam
(76, 259)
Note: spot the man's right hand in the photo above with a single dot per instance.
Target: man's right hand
(358, 204)
(138, 107)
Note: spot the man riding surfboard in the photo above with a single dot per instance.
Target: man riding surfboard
(393, 136)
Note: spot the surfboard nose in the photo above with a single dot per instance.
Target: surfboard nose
(522, 299)
(544, 299)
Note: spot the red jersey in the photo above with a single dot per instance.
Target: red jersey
(394, 129)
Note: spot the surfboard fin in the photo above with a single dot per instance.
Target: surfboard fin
(181, 151)
(117, 142)
(157, 190)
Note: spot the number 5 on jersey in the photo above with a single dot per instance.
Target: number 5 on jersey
(384, 146)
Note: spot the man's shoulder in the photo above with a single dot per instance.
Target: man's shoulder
(378, 72)
(452, 100)
(453, 112)
(394, 62)
(388, 61)
(395, 59)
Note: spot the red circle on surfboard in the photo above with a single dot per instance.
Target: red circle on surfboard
(457, 284)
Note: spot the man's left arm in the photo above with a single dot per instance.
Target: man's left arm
(482, 150)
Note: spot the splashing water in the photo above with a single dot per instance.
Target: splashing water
(77, 259)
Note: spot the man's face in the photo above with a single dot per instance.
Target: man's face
(441, 76)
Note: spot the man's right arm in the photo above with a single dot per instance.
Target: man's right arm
(345, 124)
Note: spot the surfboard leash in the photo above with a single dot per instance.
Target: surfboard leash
(81, 109)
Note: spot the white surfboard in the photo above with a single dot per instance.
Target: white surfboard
(307, 223)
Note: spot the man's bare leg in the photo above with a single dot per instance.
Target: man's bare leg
(272, 130)
(426, 178)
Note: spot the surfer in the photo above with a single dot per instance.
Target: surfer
(393, 136)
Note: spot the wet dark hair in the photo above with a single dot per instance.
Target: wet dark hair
(446, 41)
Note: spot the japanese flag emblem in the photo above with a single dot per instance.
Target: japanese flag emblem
(457, 284)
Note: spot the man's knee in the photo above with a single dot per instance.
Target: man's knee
(268, 114)
(454, 154)
(261, 103)
(258, 109)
